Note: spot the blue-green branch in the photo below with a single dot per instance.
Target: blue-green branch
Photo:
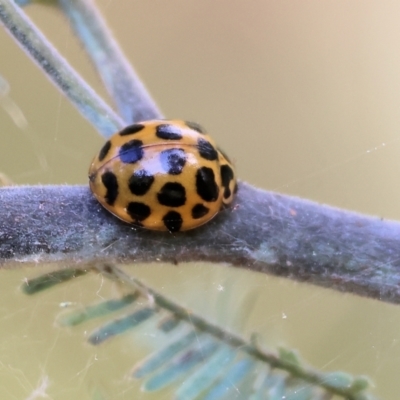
(126, 89)
(57, 69)
(264, 232)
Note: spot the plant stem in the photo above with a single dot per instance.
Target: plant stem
(128, 92)
(264, 232)
(57, 69)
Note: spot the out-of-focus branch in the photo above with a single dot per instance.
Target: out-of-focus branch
(285, 360)
(57, 69)
(264, 232)
(126, 89)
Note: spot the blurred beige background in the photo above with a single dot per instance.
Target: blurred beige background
(303, 95)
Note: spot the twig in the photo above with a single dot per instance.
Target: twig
(128, 92)
(264, 231)
(57, 69)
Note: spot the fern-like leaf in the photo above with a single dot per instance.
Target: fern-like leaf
(205, 361)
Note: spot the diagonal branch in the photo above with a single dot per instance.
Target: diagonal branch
(126, 89)
(57, 69)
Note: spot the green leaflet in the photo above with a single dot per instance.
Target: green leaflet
(121, 325)
(97, 310)
(205, 376)
(200, 351)
(46, 281)
(161, 357)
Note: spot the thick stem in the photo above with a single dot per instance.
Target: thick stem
(264, 231)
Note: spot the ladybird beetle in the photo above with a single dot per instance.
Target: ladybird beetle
(163, 175)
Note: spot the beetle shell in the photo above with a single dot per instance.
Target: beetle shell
(163, 175)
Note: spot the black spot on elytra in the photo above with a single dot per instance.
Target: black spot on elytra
(199, 211)
(131, 129)
(111, 184)
(140, 182)
(168, 132)
(196, 127)
(131, 152)
(138, 211)
(173, 221)
(226, 177)
(207, 150)
(206, 186)
(172, 194)
(104, 150)
(173, 160)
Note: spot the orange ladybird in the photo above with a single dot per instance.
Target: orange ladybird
(163, 175)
